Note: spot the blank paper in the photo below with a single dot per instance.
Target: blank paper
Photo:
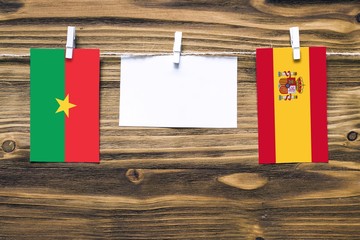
(200, 92)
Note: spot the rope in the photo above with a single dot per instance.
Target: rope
(127, 54)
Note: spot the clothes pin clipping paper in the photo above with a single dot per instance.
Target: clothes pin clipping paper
(295, 42)
(177, 47)
(70, 42)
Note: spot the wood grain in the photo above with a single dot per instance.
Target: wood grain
(166, 183)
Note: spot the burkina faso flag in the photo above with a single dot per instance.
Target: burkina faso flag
(292, 118)
(64, 106)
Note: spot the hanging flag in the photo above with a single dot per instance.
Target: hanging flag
(292, 118)
(64, 106)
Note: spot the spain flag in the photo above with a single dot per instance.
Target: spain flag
(292, 118)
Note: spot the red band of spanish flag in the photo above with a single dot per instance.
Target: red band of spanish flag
(292, 118)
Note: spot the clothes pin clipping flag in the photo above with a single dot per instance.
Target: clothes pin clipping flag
(295, 42)
(70, 42)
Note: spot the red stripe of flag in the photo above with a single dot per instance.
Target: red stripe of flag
(82, 125)
(319, 138)
(266, 111)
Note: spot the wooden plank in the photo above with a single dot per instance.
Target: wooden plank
(180, 183)
(180, 204)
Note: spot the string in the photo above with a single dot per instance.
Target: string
(129, 54)
(182, 53)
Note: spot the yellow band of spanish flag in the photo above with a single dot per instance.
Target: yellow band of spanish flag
(292, 116)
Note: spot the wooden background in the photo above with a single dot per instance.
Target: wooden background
(180, 183)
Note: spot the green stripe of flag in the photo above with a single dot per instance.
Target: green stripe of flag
(47, 130)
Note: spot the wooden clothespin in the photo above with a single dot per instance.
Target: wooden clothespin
(295, 42)
(70, 42)
(177, 47)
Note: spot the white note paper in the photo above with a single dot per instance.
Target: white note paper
(200, 92)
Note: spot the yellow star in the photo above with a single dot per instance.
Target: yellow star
(64, 105)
